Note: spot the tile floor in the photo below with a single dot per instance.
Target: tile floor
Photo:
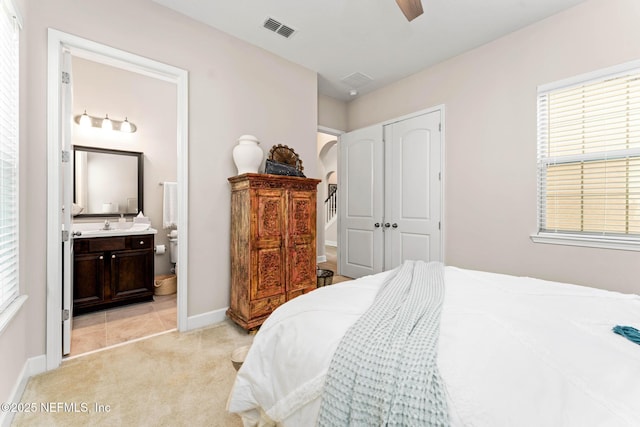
(100, 329)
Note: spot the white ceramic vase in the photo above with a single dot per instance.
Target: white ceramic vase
(247, 155)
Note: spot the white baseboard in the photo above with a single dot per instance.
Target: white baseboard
(206, 319)
(33, 366)
(37, 365)
(321, 258)
(331, 243)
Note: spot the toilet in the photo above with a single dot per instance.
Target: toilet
(173, 250)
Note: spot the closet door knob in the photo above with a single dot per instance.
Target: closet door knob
(387, 225)
(101, 257)
(394, 225)
(376, 225)
(113, 256)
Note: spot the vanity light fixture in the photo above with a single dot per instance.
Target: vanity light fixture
(85, 120)
(106, 123)
(125, 126)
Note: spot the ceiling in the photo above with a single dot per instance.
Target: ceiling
(367, 39)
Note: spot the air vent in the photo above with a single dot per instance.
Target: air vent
(357, 80)
(278, 27)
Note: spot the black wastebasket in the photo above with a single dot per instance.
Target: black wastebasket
(325, 277)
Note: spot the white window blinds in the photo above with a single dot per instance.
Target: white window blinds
(9, 28)
(589, 156)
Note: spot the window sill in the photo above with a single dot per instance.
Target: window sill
(624, 244)
(11, 311)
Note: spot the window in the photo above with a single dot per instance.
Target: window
(9, 28)
(589, 159)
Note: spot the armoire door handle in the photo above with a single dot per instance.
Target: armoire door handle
(394, 225)
(387, 225)
(376, 225)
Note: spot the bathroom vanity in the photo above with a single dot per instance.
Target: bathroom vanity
(112, 268)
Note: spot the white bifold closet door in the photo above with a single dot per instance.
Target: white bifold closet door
(390, 195)
(360, 202)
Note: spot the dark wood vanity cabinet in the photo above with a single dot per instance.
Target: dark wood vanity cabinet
(111, 271)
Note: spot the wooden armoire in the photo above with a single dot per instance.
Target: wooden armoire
(273, 244)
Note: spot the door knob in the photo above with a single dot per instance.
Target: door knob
(387, 225)
(394, 225)
(376, 225)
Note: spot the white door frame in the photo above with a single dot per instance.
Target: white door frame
(97, 52)
(320, 208)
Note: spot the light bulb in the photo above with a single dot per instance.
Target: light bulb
(125, 126)
(85, 120)
(106, 123)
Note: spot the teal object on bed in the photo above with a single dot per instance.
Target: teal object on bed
(629, 332)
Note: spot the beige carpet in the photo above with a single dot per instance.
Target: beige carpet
(168, 380)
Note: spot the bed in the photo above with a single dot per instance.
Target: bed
(513, 351)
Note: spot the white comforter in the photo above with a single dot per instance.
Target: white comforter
(513, 352)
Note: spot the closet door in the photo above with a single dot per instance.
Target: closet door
(360, 202)
(413, 190)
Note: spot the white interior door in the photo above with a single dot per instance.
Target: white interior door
(66, 187)
(360, 202)
(413, 189)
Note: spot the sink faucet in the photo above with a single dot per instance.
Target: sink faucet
(107, 225)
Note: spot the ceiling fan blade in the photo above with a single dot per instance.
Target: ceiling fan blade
(411, 8)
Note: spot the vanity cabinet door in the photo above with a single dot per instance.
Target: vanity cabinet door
(88, 279)
(112, 271)
(131, 274)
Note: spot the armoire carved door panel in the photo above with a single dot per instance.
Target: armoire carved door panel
(302, 269)
(270, 208)
(269, 241)
(302, 244)
(269, 276)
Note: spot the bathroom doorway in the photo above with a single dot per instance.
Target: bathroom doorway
(100, 194)
(97, 54)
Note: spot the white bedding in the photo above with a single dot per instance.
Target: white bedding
(513, 352)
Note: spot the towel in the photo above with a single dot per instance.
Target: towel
(629, 332)
(170, 205)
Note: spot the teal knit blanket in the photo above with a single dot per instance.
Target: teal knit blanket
(384, 371)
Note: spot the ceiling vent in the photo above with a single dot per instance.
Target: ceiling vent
(278, 27)
(357, 80)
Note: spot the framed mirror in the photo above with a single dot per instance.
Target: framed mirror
(107, 182)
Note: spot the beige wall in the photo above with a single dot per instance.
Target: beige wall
(234, 89)
(490, 135)
(332, 113)
(148, 103)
